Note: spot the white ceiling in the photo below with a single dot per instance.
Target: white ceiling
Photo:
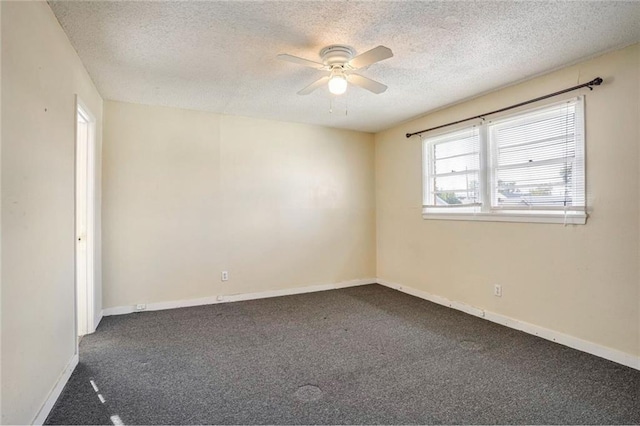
(221, 56)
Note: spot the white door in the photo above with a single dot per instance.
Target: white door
(85, 217)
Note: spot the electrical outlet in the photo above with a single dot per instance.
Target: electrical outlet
(225, 276)
(497, 290)
(141, 307)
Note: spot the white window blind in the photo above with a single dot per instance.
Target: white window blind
(525, 167)
(538, 160)
(453, 163)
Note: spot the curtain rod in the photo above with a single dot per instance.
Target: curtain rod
(595, 82)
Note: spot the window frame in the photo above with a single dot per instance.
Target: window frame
(429, 163)
(486, 211)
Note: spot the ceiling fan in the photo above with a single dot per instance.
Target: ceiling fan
(340, 63)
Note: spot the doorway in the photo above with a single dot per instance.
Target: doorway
(85, 218)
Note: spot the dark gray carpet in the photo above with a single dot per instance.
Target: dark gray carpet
(363, 355)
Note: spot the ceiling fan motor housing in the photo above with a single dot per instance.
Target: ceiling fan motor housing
(336, 55)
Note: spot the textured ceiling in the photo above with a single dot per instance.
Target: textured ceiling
(221, 56)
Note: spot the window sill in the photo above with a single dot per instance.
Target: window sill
(522, 217)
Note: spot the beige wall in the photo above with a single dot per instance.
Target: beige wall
(41, 74)
(188, 194)
(582, 280)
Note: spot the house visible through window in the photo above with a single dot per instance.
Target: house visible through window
(524, 167)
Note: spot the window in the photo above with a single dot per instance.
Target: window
(454, 170)
(526, 167)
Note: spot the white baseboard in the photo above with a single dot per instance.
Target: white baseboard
(56, 391)
(555, 336)
(96, 321)
(120, 310)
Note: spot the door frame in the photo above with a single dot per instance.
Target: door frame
(81, 109)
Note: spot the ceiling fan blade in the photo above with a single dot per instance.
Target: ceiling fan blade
(366, 83)
(369, 57)
(313, 86)
(300, 61)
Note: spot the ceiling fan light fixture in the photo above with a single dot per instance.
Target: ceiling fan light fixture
(340, 63)
(337, 83)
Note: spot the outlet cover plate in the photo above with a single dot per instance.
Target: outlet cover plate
(497, 290)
